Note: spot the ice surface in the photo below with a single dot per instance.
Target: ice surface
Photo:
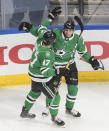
(92, 102)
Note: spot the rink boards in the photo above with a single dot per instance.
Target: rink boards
(16, 49)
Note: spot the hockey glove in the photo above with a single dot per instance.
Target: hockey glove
(25, 26)
(94, 63)
(55, 12)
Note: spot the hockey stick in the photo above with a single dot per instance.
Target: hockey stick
(78, 20)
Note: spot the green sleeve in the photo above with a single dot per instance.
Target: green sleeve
(34, 31)
(82, 50)
(46, 23)
(42, 29)
(86, 56)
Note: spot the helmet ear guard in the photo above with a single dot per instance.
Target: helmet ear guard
(49, 37)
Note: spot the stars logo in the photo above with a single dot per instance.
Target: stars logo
(60, 53)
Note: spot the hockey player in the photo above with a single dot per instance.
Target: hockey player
(42, 73)
(43, 78)
(65, 47)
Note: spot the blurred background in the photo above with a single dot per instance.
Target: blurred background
(12, 12)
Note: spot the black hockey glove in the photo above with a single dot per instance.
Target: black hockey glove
(94, 63)
(25, 26)
(55, 12)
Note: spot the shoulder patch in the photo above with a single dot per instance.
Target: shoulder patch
(47, 54)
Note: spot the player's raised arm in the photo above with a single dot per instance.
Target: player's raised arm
(51, 16)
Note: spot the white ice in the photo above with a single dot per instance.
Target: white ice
(92, 102)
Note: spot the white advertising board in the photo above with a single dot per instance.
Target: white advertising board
(16, 50)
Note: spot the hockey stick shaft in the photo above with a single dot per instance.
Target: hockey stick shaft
(78, 20)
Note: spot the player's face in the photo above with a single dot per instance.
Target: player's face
(68, 32)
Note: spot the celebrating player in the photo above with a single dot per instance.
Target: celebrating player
(42, 73)
(67, 43)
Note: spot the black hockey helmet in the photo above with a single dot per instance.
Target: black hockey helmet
(49, 37)
(69, 24)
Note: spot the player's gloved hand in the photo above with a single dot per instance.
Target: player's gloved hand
(55, 12)
(25, 26)
(94, 63)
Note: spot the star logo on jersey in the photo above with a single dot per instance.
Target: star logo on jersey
(60, 53)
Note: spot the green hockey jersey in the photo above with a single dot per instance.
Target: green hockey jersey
(65, 49)
(41, 67)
